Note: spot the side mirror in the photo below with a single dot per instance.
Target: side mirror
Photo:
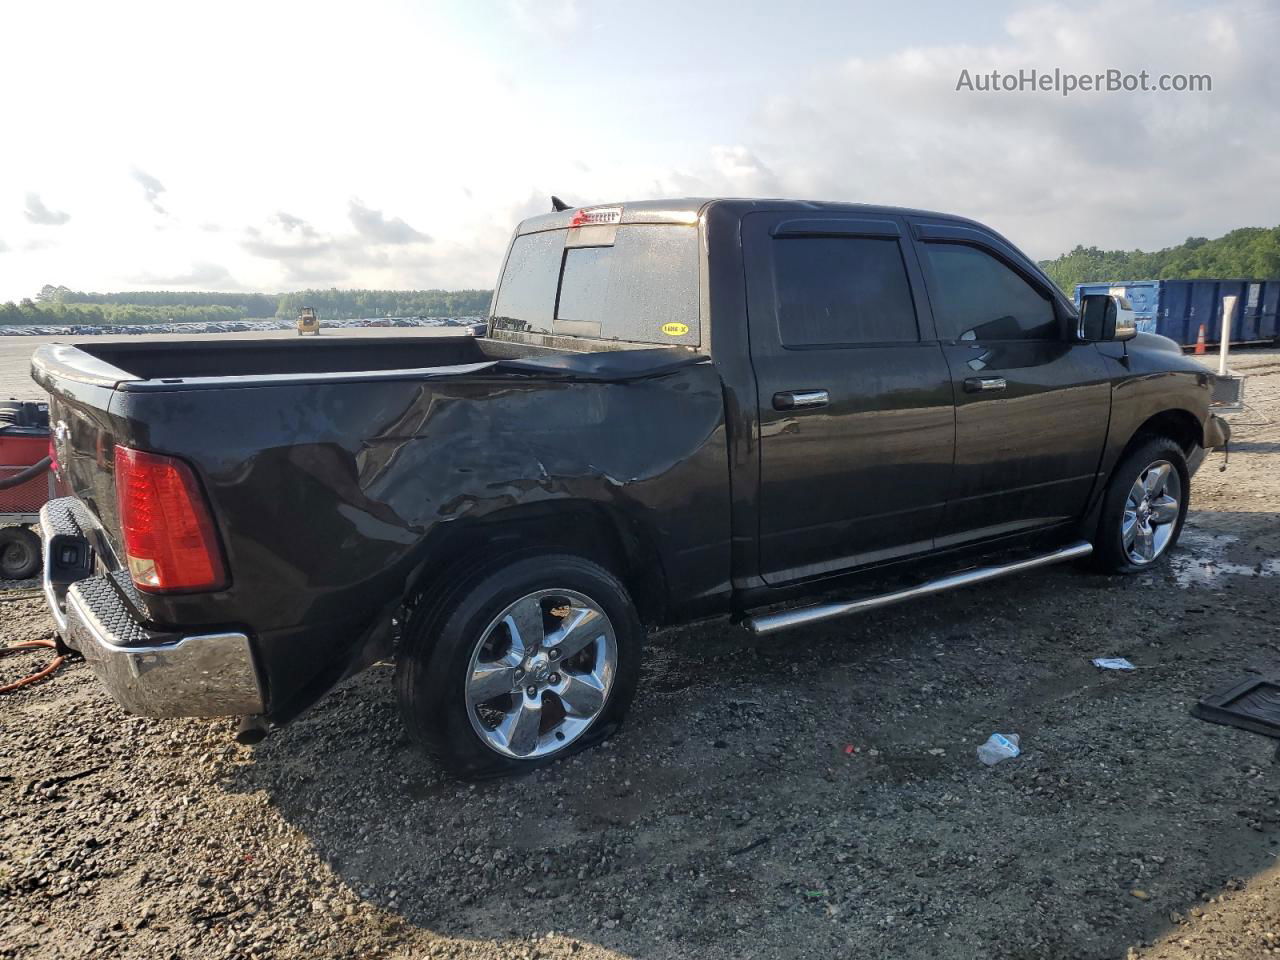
(1106, 317)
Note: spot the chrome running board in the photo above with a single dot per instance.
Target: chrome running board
(786, 619)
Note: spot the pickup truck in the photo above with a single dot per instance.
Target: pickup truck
(775, 411)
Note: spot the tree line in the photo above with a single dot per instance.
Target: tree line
(1248, 253)
(335, 304)
(254, 304)
(58, 305)
(28, 312)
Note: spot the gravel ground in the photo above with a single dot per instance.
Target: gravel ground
(813, 795)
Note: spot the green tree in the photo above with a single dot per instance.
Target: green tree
(1247, 253)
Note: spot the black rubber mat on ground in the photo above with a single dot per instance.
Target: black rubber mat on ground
(1252, 704)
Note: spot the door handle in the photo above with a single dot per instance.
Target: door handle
(983, 384)
(796, 399)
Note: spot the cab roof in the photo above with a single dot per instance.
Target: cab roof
(688, 209)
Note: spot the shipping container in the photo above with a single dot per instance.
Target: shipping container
(1177, 308)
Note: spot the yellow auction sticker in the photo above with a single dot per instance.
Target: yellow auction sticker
(675, 329)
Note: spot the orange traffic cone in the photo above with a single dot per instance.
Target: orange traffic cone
(1200, 341)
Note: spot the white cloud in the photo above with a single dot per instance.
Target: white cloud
(453, 131)
(384, 248)
(373, 226)
(1115, 169)
(37, 213)
(546, 18)
(151, 188)
(200, 275)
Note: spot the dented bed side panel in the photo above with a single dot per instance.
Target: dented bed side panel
(327, 497)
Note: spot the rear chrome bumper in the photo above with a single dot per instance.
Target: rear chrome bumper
(148, 673)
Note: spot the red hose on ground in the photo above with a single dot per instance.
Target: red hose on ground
(54, 664)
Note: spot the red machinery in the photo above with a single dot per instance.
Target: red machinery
(25, 484)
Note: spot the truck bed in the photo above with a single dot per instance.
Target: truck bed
(169, 366)
(228, 360)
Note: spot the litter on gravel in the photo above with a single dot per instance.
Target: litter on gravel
(999, 746)
(1113, 663)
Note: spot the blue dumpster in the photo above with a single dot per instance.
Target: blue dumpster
(1177, 308)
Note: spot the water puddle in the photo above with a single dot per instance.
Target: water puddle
(1200, 560)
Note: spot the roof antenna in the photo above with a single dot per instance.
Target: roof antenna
(557, 204)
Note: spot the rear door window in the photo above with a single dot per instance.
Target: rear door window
(641, 288)
(842, 291)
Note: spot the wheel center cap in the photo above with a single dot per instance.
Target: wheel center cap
(539, 667)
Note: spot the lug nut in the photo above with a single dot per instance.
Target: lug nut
(554, 678)
(531, 691)
(555, 654)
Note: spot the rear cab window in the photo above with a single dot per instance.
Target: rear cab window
(633, 282)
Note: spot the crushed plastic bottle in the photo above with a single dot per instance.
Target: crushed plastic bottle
(999, 746)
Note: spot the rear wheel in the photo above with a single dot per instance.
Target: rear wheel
(19, 553)
(527, 661)
(1144, 508)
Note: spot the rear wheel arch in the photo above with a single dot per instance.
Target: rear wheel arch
(589, 529)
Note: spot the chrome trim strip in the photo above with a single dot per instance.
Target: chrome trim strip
(210, 675)
(786, 619)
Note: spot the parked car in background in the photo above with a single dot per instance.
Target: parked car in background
(682, 409)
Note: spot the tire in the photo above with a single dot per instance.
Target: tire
(19, 553)
(503, 630)
(1138, 500)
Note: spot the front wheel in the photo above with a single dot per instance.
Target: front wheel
(1144, 508)
(522, 663)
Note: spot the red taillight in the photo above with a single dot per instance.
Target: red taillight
(169, 539)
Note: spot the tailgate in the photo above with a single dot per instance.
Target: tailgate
(82, 390)
(79, 528)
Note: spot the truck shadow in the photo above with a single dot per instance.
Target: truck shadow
(803, 793)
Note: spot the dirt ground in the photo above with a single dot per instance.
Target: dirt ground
(812, 795)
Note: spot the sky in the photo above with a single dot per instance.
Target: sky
(273, 145)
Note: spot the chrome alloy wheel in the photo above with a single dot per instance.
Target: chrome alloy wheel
(1151, 512)
(540, 673)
